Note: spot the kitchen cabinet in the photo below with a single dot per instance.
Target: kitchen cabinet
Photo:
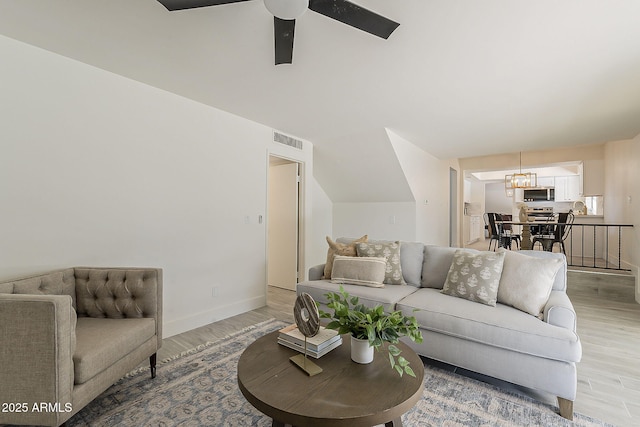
(475, 228)
(546, 181)
(567, 188)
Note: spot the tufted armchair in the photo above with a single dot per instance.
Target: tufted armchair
(68, 335)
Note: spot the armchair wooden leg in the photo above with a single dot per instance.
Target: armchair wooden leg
(152, 364)
(566, 408)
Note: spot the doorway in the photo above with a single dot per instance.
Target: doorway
(453, 207)
(283, 223)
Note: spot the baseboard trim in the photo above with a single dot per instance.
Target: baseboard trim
(196, 320)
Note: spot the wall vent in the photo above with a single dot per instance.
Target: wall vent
(287, 140)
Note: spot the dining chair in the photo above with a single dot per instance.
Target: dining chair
(490, 221)
(508, 229)
(496, 233)
(560, 233)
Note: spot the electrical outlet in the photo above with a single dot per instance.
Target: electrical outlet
(214, 291)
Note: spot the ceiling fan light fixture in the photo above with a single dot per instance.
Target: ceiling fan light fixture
(287, 9)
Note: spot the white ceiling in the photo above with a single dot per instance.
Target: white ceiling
(458, 78)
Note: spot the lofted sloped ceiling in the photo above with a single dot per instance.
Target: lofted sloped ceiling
(361, 168)
(458, 78)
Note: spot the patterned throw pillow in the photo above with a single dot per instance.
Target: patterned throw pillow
(344, 249)
(475, 276)
(390, 251)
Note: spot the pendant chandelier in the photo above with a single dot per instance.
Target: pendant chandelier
(520, 180)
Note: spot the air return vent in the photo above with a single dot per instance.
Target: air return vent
(287, 140)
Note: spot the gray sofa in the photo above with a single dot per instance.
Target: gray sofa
(68, 335)
(502, 342)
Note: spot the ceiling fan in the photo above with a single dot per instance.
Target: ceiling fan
(285, 13)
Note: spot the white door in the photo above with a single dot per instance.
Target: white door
(282, 268)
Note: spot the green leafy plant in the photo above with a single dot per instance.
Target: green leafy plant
(372, 324)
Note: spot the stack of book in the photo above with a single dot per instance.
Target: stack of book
(317, 346)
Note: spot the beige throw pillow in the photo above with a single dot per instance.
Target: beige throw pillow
(390, 251)
(475, 276)
(367, 271)
(343, 249)
(526, 281)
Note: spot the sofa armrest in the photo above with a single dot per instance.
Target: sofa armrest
(316, 272)
(119, 293)
(559, 311)
(37, 342)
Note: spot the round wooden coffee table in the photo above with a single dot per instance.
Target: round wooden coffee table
(344, 394)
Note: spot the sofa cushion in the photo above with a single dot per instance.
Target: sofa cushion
(344, 247)
(436, 264)
(500, 326)
(411, 259)
(390, 251)
(102, 342)
(61, 282)
(526, 281)
(475, 276)
(117, 293)
(366, 271)
(387, 296)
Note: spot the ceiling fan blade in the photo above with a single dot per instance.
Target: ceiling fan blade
(283, 31)
(192, 4)
(355, 16)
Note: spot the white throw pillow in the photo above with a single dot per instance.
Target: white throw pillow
(366, 271)
(526, 281)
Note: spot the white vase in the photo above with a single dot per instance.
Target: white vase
(361, 351)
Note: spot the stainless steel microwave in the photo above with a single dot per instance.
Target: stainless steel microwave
(539, 195)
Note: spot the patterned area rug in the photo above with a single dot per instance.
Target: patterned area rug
(199, 388)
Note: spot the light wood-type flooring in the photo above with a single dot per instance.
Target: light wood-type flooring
(608, 326)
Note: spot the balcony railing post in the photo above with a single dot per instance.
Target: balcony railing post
(619, 247)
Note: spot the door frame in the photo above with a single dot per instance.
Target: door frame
(453, 207)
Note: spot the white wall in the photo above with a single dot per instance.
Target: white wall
(426, 219)
(322, 218)
(97, 169)
(496, 199)
(361, 168)
(593, 177)
(591, 155)
(381, 221)
(622, 199)
(428, 178)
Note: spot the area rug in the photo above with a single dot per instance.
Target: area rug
(199, 388)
